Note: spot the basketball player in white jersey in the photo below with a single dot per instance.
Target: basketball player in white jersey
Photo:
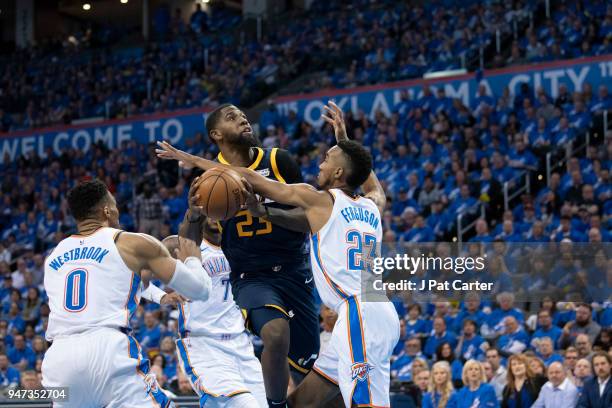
(345, 231)
(93, 283)
(214, 348)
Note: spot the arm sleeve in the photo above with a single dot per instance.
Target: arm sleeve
(288, 167)
(190, 279)
(153, 294)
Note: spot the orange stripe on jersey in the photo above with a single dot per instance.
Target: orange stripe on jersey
(127, 301)
(333, 285)
(348, 330)
(362, 332)
(231, 394)
(372, 406)
(322, 374)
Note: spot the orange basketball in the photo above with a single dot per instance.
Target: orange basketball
(220, 193)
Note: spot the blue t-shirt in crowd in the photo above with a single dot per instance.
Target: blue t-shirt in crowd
(482, 397)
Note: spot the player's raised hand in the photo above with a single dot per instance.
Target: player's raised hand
(168, 152)
(334, 116)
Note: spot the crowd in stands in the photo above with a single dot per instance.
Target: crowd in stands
(407, 40)
(580, 29)
(197, 68)
(450, 35)
(436, 158)
(201, 61)
(451, 356)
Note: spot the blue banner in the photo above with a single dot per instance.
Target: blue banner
(549, 76)
(176, 127)
(181, 125)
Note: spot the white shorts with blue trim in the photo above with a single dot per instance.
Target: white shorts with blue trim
(219, 369)
(358, 356)
(101, 368)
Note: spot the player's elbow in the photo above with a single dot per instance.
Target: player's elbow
(204, 288)
(191, 280)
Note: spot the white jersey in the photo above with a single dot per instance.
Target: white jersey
(219, 315)
(89, 285)
(341, 250)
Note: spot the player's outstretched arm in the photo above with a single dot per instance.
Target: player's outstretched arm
(292, 219)
(298, 195)
(186, 275)
(371, 188)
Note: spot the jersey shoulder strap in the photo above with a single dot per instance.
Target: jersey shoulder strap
(259, 155)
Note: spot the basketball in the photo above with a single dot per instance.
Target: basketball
(220, 193)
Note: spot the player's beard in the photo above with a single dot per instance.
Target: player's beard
(247, 140)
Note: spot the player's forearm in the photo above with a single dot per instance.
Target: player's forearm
(191, 227)
(279, 192)
(373, 189)
(153, 294)
(202, 163)
(294, 219)
(340, 133)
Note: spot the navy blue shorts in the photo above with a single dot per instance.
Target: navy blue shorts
(287, 293)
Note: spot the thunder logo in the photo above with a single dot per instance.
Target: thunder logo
(360, 371)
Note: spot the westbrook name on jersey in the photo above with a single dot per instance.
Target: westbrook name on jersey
(92, 296)
(89, 286)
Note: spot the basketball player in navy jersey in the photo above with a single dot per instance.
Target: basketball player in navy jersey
(270, 272)
(335, 212)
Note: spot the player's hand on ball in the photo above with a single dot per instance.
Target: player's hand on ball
(255, 207)
(173, 298)
(168, 152)
(194, 197)
(186, 249)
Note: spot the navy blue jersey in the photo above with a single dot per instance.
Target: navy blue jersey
(254, 245)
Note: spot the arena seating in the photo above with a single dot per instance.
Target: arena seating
(436, 158)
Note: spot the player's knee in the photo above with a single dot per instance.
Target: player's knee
(275, 335)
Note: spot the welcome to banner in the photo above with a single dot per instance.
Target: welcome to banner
(549, 76)
(178, 126)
